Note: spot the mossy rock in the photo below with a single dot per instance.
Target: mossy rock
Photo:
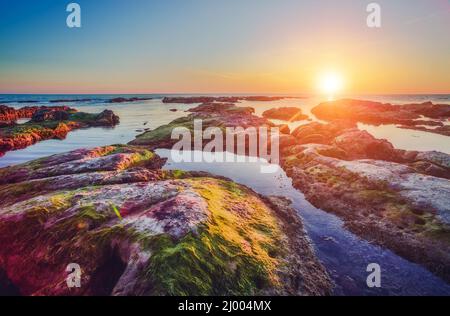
(133, 233)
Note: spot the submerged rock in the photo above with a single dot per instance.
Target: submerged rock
(135, 229)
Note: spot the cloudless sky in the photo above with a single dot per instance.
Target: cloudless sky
(223, 46)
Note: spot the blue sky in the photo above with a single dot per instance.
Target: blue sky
(140, 46)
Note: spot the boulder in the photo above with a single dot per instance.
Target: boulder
(290, 114)
(106, 118)
(360, 144)
(135, 229)
(50, 115)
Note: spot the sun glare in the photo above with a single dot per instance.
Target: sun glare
(330, 83)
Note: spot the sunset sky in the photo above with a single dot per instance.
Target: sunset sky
(232, 46)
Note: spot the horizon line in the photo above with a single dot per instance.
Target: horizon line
(228, 93)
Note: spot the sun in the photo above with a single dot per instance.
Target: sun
(330, 83)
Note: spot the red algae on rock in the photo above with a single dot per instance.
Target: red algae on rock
(49, 123)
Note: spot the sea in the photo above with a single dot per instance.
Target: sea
(344, 255)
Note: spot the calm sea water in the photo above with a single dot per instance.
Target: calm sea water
(345, 255)
(136, 116)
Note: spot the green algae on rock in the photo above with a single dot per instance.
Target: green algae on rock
(396, 198)
(178, 233)
(219, 115)
(49, 123)
(383, 194)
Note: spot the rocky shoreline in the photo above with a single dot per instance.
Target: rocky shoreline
(290, 114)
(424, 116)
(398, 199)
(138, 230)
(45, 123)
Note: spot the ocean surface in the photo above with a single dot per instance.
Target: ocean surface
(137, 116)
(344, 254)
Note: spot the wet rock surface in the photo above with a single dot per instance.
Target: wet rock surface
(135, 229)
(377, 113)
(398, 199)
(212, 114)
(12, 114)
(290, 114)
(49, 123)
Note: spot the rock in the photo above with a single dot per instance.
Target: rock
(287, 141)
(284, 129)
(431, 163)
(290, 114)
(363, 111)
(70, 100)
(122, 100)
(48, 123)
(50, 115)
(313, 138)
(377, 199)
(224, 99)
(212, 115)
(376, 113)
(221, 108)
(106, 118)
(435, 157)
(316, 132)
(200, 99)
(11, 114)
(429, 168)
(135, 229)
(386, 201)
(360, 144)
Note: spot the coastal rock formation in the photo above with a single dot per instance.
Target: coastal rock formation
(105, 118)
(135, 229)
(377, 113)
(11, 114)
(206, 99)
(290, 114)
(121, 99)
(70, 100)
(396, 198)
(211, 114)
(48, 123)
(50, 115)
(399, 199)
